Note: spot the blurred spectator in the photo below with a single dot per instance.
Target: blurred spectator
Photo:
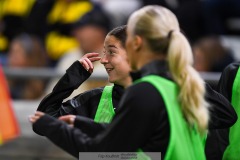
(50, 20)
(59, 19)
(12, 18)
(89, 31)
(119, 10)
(26, 51)
(210, 55)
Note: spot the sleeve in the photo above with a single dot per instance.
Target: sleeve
(88, 126)
(222, 114)
(129, 130)
(226, 80)
(71, 80)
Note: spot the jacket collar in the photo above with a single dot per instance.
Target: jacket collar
(156, 67)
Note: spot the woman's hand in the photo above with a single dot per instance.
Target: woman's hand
(35, 117)
(69, 119)
(87, 60)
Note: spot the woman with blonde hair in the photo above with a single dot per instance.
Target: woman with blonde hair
(163, 111)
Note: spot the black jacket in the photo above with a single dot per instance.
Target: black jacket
(218, 140)
(140, 122)
(85, 104)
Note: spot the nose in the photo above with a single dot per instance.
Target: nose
(104, 59)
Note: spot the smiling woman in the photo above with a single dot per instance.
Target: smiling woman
(114, 58)
(98, 104)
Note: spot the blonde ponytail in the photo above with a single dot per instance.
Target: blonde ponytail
(191, 85)
(160, 27)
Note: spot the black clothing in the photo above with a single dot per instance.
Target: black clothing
(142, 124)
(218, 139)
(141, 119)
(84, 104)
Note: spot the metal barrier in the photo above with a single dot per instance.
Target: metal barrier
(44, 73)
(47, 73)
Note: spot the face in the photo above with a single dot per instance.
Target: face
(115, 61)
(89, 37)
(201, 62)
(130, 50)
(17, 56)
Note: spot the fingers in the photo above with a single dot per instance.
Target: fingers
(38, 113)
(93, 59)
(84, 64)
(90, 55)
(89, 63)
(87, 60)
(35, 117)
(68, 118)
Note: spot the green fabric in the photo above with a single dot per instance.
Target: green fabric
(185, 141)
(105, 111)
(141, 155)
(233, 150)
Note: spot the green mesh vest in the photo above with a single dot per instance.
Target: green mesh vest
(105, 111)
(185, 142)
(233, 150)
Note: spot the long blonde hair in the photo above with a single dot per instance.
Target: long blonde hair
(160, 28)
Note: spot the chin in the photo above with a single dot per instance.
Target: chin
(111, 80)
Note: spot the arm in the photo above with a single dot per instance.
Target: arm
(75, 75)
(87, 125)
(72, 79)
(222, 114)
(121, 135)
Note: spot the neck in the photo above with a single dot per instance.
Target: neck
(126, 82)
(147, 57)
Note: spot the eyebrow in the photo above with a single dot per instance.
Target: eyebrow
(111, 46)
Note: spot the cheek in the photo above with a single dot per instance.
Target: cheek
(123, 68)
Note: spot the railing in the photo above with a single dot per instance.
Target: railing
(46, 73)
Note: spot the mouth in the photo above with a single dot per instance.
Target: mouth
(109, 70)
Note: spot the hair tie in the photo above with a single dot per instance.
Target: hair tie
(170, 34)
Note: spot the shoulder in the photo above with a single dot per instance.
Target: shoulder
(87, 95)
(144, 96)
(226, 80)
(231, 69)
(229, 74)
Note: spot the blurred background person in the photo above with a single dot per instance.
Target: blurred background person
(26, 52)
(12, 17)
(210, 55)
(51, 20)
(115, 10)
(89, 31)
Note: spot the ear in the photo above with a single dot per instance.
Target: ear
(137, 42)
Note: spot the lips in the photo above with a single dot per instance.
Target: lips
(109, 69)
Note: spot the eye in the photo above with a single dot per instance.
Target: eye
(110, 52)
